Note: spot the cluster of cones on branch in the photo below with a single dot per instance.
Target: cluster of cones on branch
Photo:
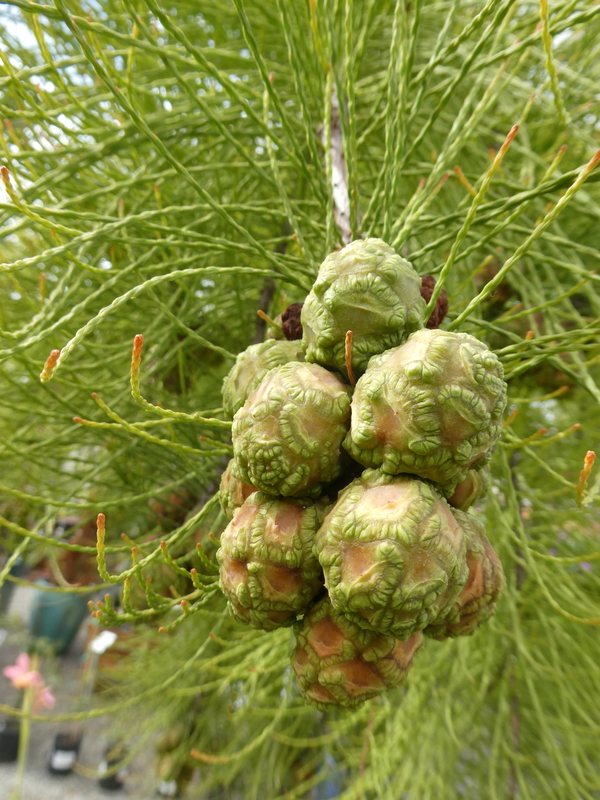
(358, 449)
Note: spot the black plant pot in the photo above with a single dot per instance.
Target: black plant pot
(114, 755)
(64, 753)
(9, 740)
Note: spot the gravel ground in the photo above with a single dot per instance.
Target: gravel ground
(38, 783)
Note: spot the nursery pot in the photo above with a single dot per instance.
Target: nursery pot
(64, 753)
(57, 616)
(9, 740)
(114, 755)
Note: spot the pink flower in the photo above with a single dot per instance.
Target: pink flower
(20, 675)
(45, 698)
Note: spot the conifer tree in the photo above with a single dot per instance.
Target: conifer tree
(169, 171)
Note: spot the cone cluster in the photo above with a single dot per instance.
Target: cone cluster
(349, 504)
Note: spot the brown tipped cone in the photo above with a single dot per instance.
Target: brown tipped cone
(287, 438)
(267, 568)
(431, 407)
(339, 664)
(393, 554)
(477, 600)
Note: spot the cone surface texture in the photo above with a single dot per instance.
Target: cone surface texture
(287, 437)
(252, 365)
(470, 490)
(233, 491)
(268, 571)
(431, 407)
(392, 553)
(339, 664)
(477, 600)
(365, 288)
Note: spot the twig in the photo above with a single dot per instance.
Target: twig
(339, 172)
(588, 463)
(348, 357)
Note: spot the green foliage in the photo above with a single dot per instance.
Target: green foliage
(169, 173)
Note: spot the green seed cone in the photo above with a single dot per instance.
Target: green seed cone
(287, 437)
(339, 664)
(252, 365)
(268, 571)
(365, 288)
(431, 407)
(233, 491)
(392, 553)
(477, 600)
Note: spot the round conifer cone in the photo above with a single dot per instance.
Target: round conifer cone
(339, 664)
(477, 600)
(393, 554)
(366, 288)
(287, 437)
(268, 571)
(252, 365)
(431, 407)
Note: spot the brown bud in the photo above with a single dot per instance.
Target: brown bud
(290, 322)
(441, 306)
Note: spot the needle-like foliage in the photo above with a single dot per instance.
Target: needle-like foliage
(170, 170)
